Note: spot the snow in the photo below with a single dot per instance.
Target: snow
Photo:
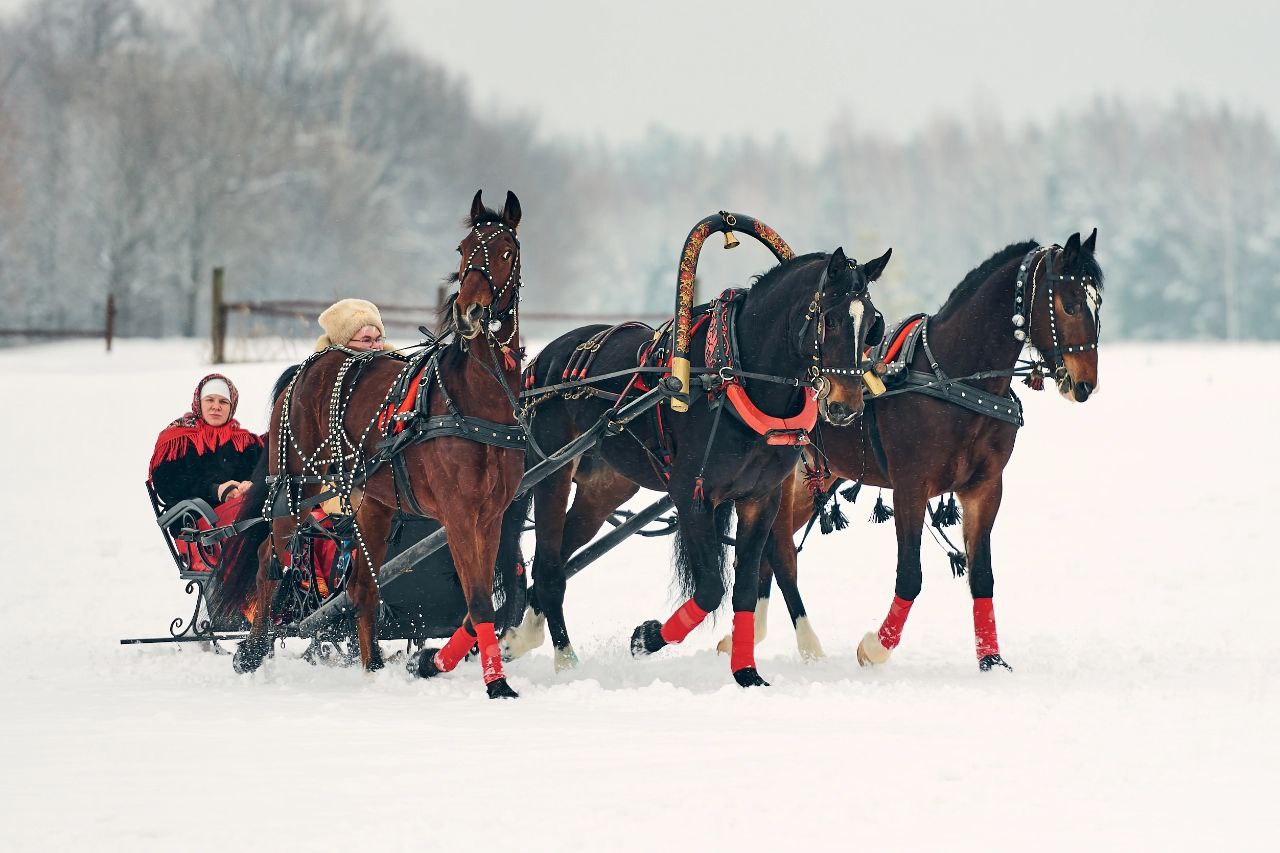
(1135, 588)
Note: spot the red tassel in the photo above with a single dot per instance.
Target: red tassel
(507, 358)
(698, 493)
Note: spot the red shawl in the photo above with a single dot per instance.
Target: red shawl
(192, 431)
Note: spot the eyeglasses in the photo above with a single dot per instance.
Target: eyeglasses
(368, 340)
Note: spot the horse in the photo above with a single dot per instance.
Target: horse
(331, 426)
(921, 446)
(801, 328)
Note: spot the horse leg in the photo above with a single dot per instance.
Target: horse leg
(373, 520)
(764, 587)
(782, 551)
(909, 518)
(550, 508)
(473, 542)
(980, 504)
(253, 650)
(699, 556)
(755, 517)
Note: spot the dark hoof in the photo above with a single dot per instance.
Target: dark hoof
(501, 690)
(647, 639)
(427, 664)
(375, 660)
(748, 677)
(249, 654)
(990, 662)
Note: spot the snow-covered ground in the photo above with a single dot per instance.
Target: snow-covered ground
(1137, 582)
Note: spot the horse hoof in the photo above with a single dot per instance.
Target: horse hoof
(725, 646)
(249, 655)
(501, 690)
(566, 658)
(871, 651)
(748, 677)
(525, 637)
(647, 639)
(427, 664)
(990, 662)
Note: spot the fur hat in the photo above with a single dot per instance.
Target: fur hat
(344, 318)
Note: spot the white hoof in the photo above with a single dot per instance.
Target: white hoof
(566, 658)
(871, 651)
(525, 637)
(725, 646)
(807, 641)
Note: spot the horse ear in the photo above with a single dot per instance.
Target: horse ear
(511, 211)
(872, 269)
(1092, 241)
(1070, 250)
(477, 207)
(837, 264)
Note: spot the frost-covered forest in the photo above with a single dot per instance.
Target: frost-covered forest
(300, 145)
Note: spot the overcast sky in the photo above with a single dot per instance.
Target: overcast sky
(601, 70)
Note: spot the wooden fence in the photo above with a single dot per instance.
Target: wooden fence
(107, 331)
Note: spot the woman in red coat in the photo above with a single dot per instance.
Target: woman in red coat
(205, 453)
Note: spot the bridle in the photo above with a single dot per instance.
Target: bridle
(493, 319)
(1022, 307)
(817, 372)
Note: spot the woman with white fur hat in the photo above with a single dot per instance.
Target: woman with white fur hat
(354, 324)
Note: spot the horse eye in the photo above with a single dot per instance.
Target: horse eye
(506, 254)
(1071, 307)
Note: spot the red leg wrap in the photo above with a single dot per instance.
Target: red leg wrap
(684, 620)
(744, 641)
(456, 649)
(984, 627)
(490, 654)
(891, 630)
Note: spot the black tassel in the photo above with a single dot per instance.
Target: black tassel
(824, 522)
(881, 513)
(838, 520)
(699, 497)
(958, 563)
(851, 493)
(393, 532)
(947, 515)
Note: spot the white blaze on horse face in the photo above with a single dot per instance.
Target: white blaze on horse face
(1094, 300)
(856, 309)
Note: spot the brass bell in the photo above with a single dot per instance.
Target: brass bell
(730, 241)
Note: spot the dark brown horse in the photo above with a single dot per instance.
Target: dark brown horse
(800, 323)
(921, 446)
(463, 483)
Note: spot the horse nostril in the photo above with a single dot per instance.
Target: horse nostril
(1082, 391)
(839, 410)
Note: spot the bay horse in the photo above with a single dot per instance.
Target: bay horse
(335, 411)
(922, 446)
(801, 330)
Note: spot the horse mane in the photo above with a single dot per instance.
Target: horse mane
(770, 277)
(446, 321)
(486, 216)
(979, 274)
(1083, 264)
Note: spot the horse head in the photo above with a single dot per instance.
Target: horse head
(488, 270)
(848, 323)
(1066, 320)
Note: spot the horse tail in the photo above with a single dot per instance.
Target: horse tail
(239, 565)
(685, 579)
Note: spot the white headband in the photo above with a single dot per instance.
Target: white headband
(215, 386)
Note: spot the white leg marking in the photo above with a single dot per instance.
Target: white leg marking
(566, 658)
(762, 619)
(525, 637)
(807, 641)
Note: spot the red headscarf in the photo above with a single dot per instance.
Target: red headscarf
(192, 431)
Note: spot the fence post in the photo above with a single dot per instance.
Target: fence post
(111, 319)
(218, 318)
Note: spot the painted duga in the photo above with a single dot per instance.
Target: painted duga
(1048, 297)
